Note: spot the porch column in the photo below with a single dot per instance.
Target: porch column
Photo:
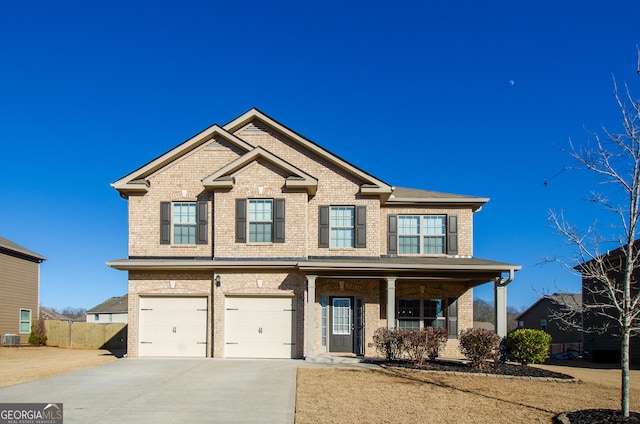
(500, 303)
(391, 302)
(311, 318)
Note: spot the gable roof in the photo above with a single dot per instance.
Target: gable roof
(14, 249)
(115, 305)
(136, 181)
(296, 179)
(372, 185)
(555, 299)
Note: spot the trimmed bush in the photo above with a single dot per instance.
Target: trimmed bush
(436, 339)
(478, 345)
(38, 336)
(414, 344)
(529, 346)
(389, 342)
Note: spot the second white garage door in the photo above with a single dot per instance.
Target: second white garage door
(173, 326)
(260, 327)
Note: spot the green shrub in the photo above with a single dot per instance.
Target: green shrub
(38, 336)
(529, 346)
(478, 345)
(388, 342)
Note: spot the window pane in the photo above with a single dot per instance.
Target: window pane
(342, 226)
(409, 324)
(433, 308)
(184, 219)
(435, 323)
(408, 225)
(341, 316)
(409, 308)
(409, 244)
(434, 225)
(260, 232)
(260, 220)
(25, 321)
(434, 245)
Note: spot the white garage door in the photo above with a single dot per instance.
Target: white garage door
(173, 326)
(260, 327)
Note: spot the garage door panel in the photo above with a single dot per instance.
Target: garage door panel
(259, 327)
(175, 326)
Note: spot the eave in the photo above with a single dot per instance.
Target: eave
(297, 179)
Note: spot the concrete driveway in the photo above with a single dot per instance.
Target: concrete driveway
(138, 390)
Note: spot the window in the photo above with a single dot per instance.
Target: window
(414, 314)
(263, 219)
(25, 321)
(260, 220)
(110, 317)
(96, 317)
(341, 321)
(342, 226)
(520, 324)
(543, 324)
(421, 234)
(323, 304)
(184, 223)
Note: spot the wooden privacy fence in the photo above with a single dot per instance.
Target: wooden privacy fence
(86, 335)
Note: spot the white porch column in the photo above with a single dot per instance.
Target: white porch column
(391, 302)
(311, 318)
(500, 303)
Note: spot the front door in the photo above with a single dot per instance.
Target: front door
(341, 324)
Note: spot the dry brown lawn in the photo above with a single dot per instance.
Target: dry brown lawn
(338, 395)
(22, 364)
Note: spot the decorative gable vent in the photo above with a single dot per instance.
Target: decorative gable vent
(256, 127)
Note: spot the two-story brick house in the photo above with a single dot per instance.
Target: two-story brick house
(249, 240)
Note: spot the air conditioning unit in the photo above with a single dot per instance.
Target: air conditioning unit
(11, 340)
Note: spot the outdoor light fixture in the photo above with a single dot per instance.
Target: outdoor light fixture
(217, 281)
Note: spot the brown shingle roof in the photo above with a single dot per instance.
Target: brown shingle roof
(15, 248)
(117, 305)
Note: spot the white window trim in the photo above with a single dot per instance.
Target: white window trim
(422, 236)
(249, 221)
(21, 321)
(174, 223)
(352, 227)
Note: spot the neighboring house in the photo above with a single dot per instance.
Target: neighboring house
(249, 240)
(484, 325)
(605, 346)
(48, 314)
(542, 315)
(19, 290)
(112, 310)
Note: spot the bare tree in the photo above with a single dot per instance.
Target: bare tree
(609, 293)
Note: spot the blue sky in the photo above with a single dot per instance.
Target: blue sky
(465, 97)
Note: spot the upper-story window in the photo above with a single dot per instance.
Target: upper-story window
(260, 220)
(342, 226)
(421, 234)
(184, 223)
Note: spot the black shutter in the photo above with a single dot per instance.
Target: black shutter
(278, 221)
(361, 227)
(452, 234)
(241, 220)
(202, 219)
(165, 222)
(452, 318)
(392, 234)
(323, 226)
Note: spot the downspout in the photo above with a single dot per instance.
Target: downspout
(500, 302)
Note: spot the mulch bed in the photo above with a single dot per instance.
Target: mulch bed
(596, 416)
(507, 369)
